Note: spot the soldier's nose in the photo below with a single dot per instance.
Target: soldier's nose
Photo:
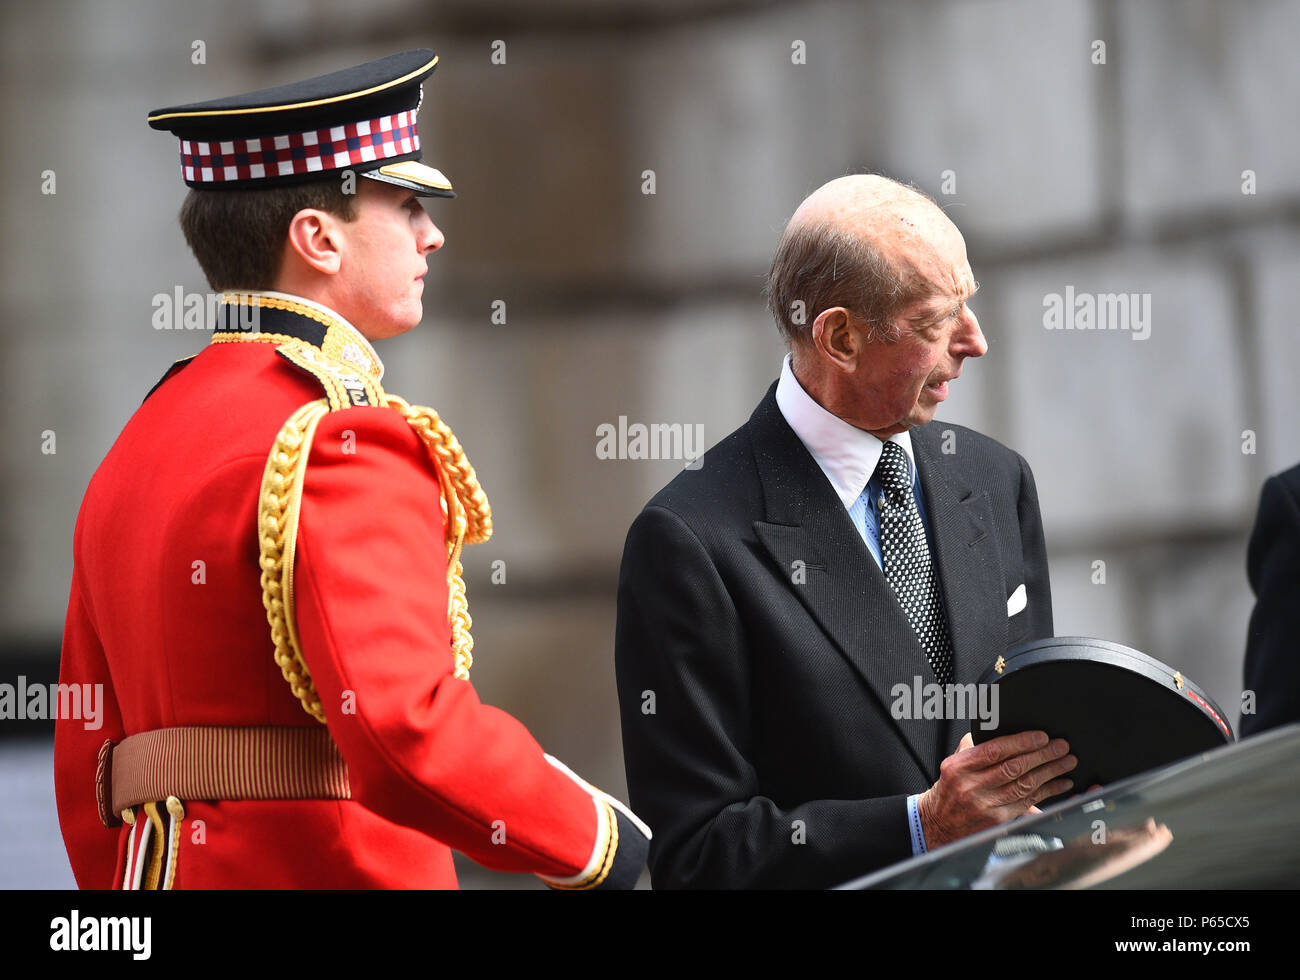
(432, 239)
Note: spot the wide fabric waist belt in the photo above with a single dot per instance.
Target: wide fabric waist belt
(212, 763)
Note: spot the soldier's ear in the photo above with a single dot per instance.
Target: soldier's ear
(315, 239)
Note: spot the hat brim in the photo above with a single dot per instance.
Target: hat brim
(415, 176)
(1122, 711)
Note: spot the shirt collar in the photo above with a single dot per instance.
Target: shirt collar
(284, 315)
(846, 454)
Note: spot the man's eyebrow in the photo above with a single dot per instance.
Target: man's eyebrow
(935, 314)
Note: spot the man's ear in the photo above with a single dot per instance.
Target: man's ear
(315, 239)
(836, 338)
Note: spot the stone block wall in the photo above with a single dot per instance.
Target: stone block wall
(1160, 164)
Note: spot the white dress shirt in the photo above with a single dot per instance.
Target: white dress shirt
(846, 454)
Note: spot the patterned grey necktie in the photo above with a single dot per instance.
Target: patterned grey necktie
(906, 560)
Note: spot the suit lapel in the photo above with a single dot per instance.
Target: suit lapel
(966, 556)
(840, 585)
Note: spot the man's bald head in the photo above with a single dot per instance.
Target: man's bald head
(866, 201)
(869, 285)
(863, 242)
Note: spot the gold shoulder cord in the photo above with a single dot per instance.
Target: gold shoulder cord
(466, 512)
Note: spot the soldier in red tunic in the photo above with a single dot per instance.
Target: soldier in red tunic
(267, 580)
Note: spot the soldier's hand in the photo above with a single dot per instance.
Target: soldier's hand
(983, 785)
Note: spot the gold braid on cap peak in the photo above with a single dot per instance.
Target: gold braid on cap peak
(467, 518)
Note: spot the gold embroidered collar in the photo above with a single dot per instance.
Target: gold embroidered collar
(280, 318)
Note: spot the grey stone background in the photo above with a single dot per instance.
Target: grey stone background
(1125, 176)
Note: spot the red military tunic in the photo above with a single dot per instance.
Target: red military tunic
(166, 612)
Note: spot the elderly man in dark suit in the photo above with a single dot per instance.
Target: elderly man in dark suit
(778, 605)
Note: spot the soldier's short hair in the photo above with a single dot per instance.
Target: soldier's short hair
(238, 236)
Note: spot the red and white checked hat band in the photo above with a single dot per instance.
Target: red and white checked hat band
(313, 151)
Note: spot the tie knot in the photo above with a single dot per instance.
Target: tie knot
(895, 473)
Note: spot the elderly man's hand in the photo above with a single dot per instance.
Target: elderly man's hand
(983, 785)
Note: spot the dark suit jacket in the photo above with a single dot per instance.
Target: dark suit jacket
(1273, 640)
(756, 692)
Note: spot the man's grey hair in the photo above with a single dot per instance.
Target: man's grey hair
(818, 266)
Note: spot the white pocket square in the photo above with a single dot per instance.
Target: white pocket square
(1017, 602)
